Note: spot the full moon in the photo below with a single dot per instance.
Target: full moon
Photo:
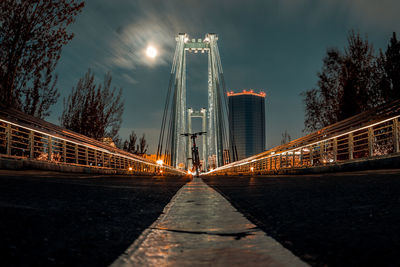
(151, 52)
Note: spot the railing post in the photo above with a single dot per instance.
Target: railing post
(301, 157)
(322, 159)
(95, 157)
(65, 151)
(102, 159)
(287, 159)
(311, 156)
(293, 158)
(76, 154)
(335, 150)
(351, 146)
(396, 135)
(8, 134)
(50, 148)
(370, 141)
(86, 155)
(31, 144)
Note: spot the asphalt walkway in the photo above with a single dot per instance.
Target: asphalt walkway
(199, 227)
(69, 219)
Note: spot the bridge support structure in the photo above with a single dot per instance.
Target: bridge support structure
(171, 141)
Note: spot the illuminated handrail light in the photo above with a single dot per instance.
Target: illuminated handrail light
(305, 147)
(86, 145)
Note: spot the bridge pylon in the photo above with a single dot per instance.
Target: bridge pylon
(175, 118)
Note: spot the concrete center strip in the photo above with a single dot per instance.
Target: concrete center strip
(199, 227)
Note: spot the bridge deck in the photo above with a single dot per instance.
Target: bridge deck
(199, 228)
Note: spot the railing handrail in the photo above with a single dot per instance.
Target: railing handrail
(378, 115)
(17, 118)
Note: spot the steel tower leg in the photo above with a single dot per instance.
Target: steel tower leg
(204, 129)
(215, 123)
(210, 114)
(189, 141)
(178, 141)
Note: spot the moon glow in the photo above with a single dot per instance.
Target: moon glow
(151, 52)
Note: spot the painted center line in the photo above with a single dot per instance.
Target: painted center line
(199, 227)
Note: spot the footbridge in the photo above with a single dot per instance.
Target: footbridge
(156, 215)
(362, 140)
(359, 140)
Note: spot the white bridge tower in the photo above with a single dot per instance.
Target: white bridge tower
(176, 145)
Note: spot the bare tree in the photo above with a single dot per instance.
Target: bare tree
(142, 146)
(389, 65)
(286, 138)
(38, 97)
(117, 140)
(32, 34)
(93, 110)
(347, 85)
(322, 103)
(130, 144)
(358, 77)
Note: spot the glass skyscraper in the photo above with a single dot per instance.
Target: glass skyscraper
(247, 121)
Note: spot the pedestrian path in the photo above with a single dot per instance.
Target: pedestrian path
(199, 227)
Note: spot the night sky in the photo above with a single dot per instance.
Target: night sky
(273, 46)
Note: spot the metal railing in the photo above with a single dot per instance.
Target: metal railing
(370, 134)
(26, 137)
